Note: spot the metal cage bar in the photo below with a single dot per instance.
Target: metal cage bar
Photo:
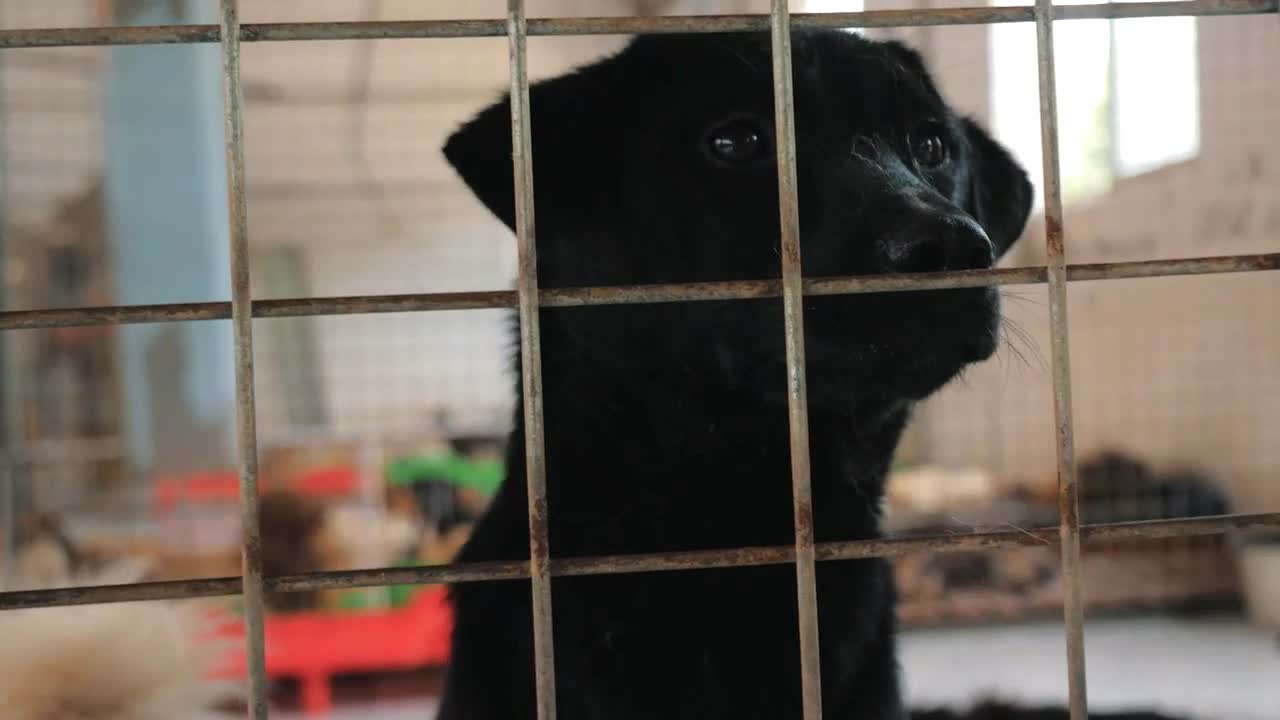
(531, 366)
(620, 295)
(1059, 340)
(384, 30)
(619, 564)
(797, 385)
(242, 322)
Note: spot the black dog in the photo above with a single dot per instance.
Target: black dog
(666, 425)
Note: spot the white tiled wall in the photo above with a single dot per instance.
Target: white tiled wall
(1180, 370)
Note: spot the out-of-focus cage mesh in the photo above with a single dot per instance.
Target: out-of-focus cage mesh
(61, 402)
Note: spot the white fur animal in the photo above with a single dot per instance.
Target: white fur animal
(126, 661)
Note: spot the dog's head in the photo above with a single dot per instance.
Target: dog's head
(658, 165)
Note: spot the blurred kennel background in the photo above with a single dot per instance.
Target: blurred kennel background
(380, 432)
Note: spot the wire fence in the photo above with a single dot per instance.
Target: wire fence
(1055, 274)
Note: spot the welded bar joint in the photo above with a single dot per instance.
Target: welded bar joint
(531, 365)
(386, 30)
(1059, 338)
(797, 386)
(242, 324)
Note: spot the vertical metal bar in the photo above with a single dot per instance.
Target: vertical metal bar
(531, 365)
(10, 437)
(1068, 505)
(797, 387)
(8, 522)
(242, 323)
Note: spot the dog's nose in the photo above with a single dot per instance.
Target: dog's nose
(935, 244)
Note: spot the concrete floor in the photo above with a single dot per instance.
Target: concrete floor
(1208, 669)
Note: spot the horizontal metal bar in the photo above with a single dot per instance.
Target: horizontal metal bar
(626, 295)
(386, 30)
(618, 564)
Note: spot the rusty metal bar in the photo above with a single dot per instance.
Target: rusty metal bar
(797, 385)
(1060, 353)
(619, 564)
(242, 323)
(621, 295)
(386, 30)
(8, 520)
(531, 365)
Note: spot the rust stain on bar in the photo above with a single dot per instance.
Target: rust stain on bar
(615, 564)
(375, 30)
(387, 30)
(1053, 230)
(132, 592)
(94, 36)
(622, 295)
(531, 365)
(1059, 334)
(797, 386)
(242, 324)
(425, 575)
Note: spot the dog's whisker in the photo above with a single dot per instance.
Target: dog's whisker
(1027, 339)
(1022, 298)
(1011, 331)
(877, 146)
(724, 46)
(1013, 350)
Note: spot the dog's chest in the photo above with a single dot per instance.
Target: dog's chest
(681, 645)
(713, 645)
(703, 492)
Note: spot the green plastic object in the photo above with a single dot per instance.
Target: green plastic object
(356, 602)
(400, 595)
(482, 475)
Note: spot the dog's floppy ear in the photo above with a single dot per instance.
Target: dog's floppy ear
(480, 152)
(565, 115)
(999, 192)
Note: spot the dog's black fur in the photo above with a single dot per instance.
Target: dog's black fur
(1004, 711)
(666, 425)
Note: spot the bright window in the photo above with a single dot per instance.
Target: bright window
(1128, 99)
(1157, 98)
(822, 6)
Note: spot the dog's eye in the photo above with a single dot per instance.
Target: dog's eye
(928, 146)
(738, 141)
